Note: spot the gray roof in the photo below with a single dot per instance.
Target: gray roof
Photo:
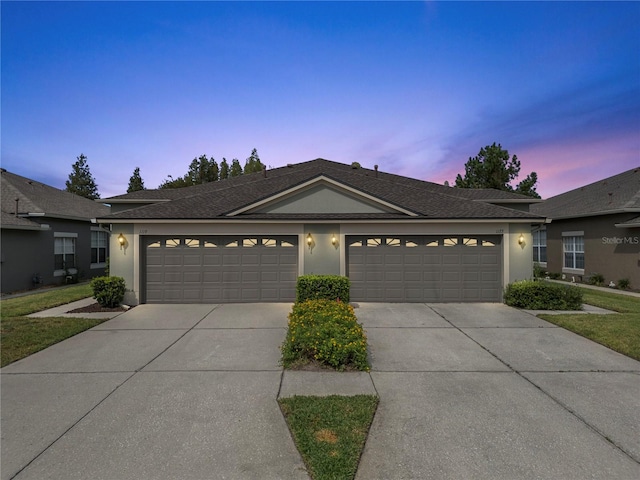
(43, 200)
(617, 194)
(633, 223)
(216, 200)
(10, 220)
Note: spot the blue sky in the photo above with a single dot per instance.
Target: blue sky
(414, 87)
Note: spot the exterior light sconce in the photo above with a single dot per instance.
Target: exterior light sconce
(521, 240)
(121, 241)
(334, 240)
(309, 240)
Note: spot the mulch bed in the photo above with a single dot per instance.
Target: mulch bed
(96, 308)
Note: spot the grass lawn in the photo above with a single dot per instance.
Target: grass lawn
(330, 432)
(619, 332)
(21, 336)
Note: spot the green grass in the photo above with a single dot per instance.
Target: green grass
(22, 336)
(330, 432)
(619, 332)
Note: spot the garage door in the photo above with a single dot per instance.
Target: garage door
(217, 269)
(425, 268)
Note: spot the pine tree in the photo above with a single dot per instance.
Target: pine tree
(253, 163)
(135, 182)
(494, 168)
(81, 182)
(236, 169)
(224, 169)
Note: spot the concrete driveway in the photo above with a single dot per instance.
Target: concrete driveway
(189, 391)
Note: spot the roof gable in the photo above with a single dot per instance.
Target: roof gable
(321, 195)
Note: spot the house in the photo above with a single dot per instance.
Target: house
(48, 236)
(247, 238)
(593, 229)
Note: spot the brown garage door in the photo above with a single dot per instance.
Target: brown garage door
(452, 268)
(220, 269)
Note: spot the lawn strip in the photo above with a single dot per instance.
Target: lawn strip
(20, 306)
(619, 332)
(23, 336)
(330, 432)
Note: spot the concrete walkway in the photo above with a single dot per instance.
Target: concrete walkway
(189, 392)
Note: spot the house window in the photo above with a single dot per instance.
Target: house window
(573, 247)
(540, 246)
(64, 253)
(99, 242)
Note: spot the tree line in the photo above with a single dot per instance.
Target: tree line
(493, 167)
(201, 170)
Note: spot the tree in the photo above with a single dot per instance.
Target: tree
(135, 182)
(493, 168)
(253, 163)
(236, 169)
(224, 169)
(171, 182)
(202, 170)
(81, 182)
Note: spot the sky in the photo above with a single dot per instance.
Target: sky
(414, 87)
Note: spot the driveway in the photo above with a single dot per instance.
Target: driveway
(189, 391)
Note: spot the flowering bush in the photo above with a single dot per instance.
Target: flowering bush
(325, 331)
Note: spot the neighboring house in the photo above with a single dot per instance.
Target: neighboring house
(48, 236)
(593, 229)
(247, 239)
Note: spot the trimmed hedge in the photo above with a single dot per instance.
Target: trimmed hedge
(328, 287)
(108, 291)
(325, 331)
(541, 295)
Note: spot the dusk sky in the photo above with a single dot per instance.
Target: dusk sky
(414, 87)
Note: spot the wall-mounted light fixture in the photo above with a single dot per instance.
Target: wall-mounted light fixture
(334, 240)
(521, 239)
(309, 240)
(121, 240)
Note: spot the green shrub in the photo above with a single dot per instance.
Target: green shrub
(328, 287)
(325, 331)
(108, 291)
(540, 295)
(555, 275)
(596, 279)
(624, 284)
(538, 271)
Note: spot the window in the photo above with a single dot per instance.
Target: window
(540, 246)
(99, 242)
(64, 253)
(573, 247)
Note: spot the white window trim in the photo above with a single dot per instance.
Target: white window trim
(62, 273)
(533, 244)
(101, 264)
(576, 271)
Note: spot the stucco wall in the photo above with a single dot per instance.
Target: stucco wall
(518, 255)
(28, 252)
(610, 251)
(322, 258)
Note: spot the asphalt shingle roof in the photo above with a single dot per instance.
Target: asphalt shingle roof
(36, 197)
(619, 193)
(216, 200)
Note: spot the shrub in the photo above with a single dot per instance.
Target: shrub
(536, 295)
(624, 284)
(108, 291)
(328, 287)
(596, 279)
(538, 271)
(325, 331)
